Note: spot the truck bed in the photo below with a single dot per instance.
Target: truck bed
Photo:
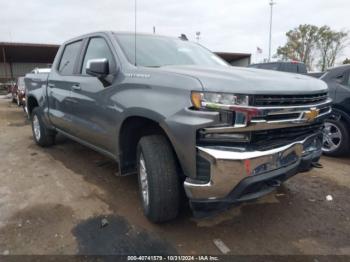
(35, 81)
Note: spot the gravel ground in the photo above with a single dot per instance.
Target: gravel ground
(67, 200)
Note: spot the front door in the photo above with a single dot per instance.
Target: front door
(94, 113)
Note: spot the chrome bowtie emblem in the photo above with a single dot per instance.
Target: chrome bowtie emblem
(312, 114)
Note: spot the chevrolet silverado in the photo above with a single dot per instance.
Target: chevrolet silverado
(180, 117)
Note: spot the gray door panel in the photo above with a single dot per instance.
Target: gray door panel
(94, 116)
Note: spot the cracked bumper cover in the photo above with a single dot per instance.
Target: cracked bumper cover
(238, 176)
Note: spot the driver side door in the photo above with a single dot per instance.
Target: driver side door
(93, 111)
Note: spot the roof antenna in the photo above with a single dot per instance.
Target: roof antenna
(135, 30)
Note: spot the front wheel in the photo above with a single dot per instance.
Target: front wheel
(41, 134)
(159, 180)
(335, 138)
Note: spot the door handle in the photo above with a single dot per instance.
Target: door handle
(51, 85)
(76, 87)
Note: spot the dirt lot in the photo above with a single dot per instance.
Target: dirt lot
(52, 201)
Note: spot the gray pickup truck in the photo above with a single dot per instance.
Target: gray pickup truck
(177, 115)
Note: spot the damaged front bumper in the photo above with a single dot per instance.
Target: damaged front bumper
(238, 175)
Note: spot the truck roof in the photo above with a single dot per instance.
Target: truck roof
(115, 33)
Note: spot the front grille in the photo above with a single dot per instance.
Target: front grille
(288, 100)
(270, 138)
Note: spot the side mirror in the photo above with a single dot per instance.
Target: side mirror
(97, 67)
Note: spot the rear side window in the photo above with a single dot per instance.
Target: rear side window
(97, 49)
(69, 57)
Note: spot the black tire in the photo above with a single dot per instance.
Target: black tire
(162, 178)
(46, 137)
(343, 146)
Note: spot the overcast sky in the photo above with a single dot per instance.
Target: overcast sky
(225, 25)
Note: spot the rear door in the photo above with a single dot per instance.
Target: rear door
(94, 112)
(61, 80)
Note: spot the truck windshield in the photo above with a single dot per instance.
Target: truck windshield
(157, 51)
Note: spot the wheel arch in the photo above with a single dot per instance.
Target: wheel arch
(32, 102)
(339, 112)
(131, 130)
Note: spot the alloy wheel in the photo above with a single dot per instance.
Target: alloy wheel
(144, 181)
(332, 137)
(36, 128)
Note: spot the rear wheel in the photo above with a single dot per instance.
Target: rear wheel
(159, 182)
(41, 134)
(335, 138)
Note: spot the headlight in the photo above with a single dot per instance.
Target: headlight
(213, 100)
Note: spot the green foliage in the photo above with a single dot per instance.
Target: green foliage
(300, 45)
(346, 61)
(308, 43)
(330, 44)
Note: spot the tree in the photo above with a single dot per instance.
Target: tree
(309, 43)
(300, 46)
(346, 61)
(330, 45)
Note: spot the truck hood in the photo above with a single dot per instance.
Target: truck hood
(249, 80)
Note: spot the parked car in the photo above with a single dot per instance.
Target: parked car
(179, 116)
(336, 137)
(291, 67)
(13, 91)
(8, 86)
(18, 92)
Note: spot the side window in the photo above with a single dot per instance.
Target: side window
(68, 58)
(97, 48)
(339, 79)
(348, 79)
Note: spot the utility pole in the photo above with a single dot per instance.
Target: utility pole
(272, 3)
(135, 13)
